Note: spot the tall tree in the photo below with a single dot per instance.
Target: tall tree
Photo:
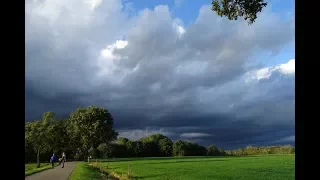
(166, 146)
(103, 148)
(212, 150)
(138, 148)
(151, 144)
(93, 152)
(130, 148)
(57, 135)
(38, 134)
(222, 152)
(92, 126)
(239, 8)
(178, 148)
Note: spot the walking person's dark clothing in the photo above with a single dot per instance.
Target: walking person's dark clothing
(52, 159)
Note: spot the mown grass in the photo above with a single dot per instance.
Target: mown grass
(280, 167)
(274, 167)
(32, 168)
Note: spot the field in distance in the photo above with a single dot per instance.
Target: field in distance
(272, 167)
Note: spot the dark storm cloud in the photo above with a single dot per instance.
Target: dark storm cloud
(40, 102)
(191, 83)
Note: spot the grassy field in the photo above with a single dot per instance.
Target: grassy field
(83, 171)
(273, 167)
(31, 168)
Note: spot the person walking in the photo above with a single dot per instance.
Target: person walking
(64, 158)
(52, 159)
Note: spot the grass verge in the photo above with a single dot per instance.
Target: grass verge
(92, 171)
(32, 168)
(83, 171)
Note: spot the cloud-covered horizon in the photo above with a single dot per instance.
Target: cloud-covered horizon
(200, 82)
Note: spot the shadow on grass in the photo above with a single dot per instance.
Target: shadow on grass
(146, 177)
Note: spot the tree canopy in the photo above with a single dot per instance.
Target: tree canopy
(39, 134)
(92, 126)
(233, 9)
(85, 129)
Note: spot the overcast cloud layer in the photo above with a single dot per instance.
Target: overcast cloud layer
(198, 82)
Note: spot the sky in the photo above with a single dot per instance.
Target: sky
(172, 67)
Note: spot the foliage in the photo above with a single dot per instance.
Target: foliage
(103, 150)
(130, 148)
(92, 125)
(250, 150)
(39, 135)
(148, 147)
(212, 150)
(117, 150)
(85, 128)
(182, 148)
(93, 152)
(165, 145)
(138, 148)
(153, 138)
(122, 140)
(178, 148)
(239, 8)
(59, 139)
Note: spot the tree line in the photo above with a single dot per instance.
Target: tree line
(155, 145)
(158, 145)
(89, 132)
(263, 150)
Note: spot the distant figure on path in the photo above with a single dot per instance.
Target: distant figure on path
(64, 158)
(52, 159)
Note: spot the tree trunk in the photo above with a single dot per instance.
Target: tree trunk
(38, 160)
(85, 155)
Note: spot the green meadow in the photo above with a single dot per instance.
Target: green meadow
(271, 167)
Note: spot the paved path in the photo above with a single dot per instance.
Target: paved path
(57, 173)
